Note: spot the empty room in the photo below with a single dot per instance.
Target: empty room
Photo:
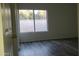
(39, 29)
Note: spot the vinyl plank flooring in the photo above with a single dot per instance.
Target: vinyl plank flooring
(62, 47)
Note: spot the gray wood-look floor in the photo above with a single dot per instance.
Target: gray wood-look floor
(60, 47)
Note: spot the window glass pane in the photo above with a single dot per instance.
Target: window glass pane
(40, 20)
(26, 20)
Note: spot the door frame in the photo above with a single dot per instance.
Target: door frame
(14, 28)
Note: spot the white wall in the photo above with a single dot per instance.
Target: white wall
(62, 22)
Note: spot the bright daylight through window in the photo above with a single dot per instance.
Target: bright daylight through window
(33, 20)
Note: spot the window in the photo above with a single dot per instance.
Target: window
(33, 20)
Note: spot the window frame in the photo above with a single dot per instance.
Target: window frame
(34, 21)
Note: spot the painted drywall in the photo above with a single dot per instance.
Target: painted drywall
(62, 22)
(1, 35)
